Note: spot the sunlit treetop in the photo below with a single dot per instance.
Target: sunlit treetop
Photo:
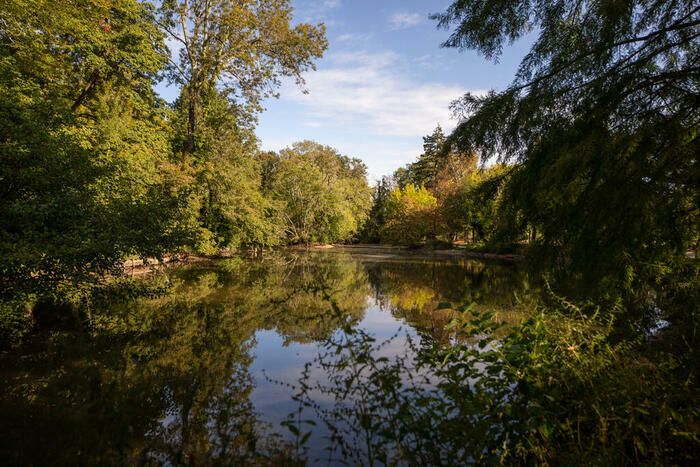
(242, 49)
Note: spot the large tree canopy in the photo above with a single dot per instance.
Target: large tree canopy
(602, 118)
(85, 174)
(241, 48)
(324, 196)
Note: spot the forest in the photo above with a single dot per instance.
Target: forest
(586, 165)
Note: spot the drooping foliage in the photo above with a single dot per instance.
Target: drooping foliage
(471, 205)
(602, 119)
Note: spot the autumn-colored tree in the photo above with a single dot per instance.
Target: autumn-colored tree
(411, 216)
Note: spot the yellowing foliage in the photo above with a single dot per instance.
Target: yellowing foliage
(411, 216)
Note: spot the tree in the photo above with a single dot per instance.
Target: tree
(325, 196)
(86, 175)
(231, 56)
(426, 168)
(410, 216)
(238, 48)
(429, 163)
(232, 208)
(472, 206)
(377, 214)
(603, 119)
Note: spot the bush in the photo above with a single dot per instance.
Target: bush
(15, 322)
(557, 389)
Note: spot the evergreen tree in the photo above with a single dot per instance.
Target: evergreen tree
(377, 214)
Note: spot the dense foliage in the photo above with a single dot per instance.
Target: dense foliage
(411, 215)
(553, 389)
(87, 177)
(323, 196)
(96, 169)
(443, 196)
(601, 119)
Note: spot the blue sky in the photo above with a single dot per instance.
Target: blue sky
(383, 83)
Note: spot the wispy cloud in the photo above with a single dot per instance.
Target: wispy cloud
(317, 10)
(404, 20)
(353, 38)
(369, 93)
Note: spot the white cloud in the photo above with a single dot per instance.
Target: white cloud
(353, 38)
(365, 104)
(404, 20)
(317, 10)
(368, 93)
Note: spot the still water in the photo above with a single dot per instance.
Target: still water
(210, 369)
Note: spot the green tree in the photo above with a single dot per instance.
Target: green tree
(238, 48)
(424, 171)
(86, 175)
(231, 206)
(325, 196)
(603, 118)
(377, 214)
(231, 56)
(472, 206)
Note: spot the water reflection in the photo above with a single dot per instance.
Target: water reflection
(177, 379)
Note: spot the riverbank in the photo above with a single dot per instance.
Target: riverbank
(403, 251)
(138, 266)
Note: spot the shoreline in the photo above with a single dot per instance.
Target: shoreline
(133, 267)
(455, 252)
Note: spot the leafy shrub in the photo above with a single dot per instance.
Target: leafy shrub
(14, 322)
(556, 389)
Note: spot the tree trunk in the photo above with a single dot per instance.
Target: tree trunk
(191, 120)
(92, 81)
(533, 234)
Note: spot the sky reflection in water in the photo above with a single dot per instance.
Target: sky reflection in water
(194, 376)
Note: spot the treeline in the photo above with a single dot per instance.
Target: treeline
(443, 197)
(96, 168)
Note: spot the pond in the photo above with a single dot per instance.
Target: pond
(236, 360)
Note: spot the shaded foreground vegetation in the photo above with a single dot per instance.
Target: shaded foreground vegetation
(553, 389)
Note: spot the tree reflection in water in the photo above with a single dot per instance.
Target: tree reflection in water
(168, 379)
